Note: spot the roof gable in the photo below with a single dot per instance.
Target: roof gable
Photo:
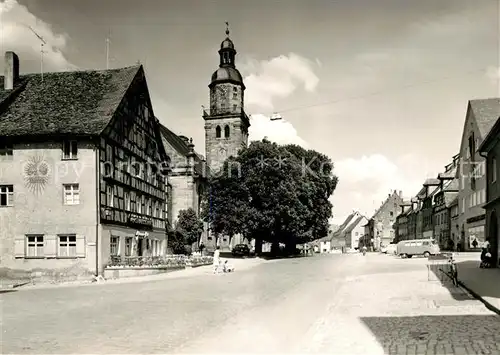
(486, 113)
(348, 220)
(180, 148)
(354, 224)
(73, 103)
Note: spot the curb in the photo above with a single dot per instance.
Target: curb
(478, 297)
(487, 304)
(13, 286)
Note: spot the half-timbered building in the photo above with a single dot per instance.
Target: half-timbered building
(82, 169)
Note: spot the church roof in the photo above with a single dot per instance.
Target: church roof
(226, 74)
(181, 146)
(227, 43)
(72, 102)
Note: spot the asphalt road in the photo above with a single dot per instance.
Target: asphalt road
(325, 304)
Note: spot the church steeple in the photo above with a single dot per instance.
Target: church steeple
(226, 123)
(227, 52)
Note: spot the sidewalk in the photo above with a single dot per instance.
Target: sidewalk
(239, 264)
(482, 283)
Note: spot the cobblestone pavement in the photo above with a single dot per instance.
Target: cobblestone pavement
(336, 304)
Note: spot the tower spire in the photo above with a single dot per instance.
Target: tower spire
(227, 28)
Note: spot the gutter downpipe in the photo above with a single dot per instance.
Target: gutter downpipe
(98, 209)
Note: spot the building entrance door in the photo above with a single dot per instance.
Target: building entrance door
(139, 246)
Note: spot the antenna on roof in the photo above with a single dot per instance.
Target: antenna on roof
(42, 43)
(107, 49)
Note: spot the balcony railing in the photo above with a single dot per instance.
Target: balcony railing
(214, 111)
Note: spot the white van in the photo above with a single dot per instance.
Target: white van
(425, 247)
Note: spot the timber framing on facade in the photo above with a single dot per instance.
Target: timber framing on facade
(84, 167)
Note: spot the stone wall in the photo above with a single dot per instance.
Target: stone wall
(217, 150)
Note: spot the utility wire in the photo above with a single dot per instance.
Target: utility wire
(381, 92)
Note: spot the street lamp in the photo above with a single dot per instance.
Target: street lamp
(276, 117)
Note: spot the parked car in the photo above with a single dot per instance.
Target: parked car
(241, 250)
(424, 247)
(389, 249)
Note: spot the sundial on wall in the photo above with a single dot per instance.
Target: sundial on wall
(36, 173)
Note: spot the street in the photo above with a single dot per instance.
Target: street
(346, 304)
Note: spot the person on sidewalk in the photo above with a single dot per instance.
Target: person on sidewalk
(216, 262)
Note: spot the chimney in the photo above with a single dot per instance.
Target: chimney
(11, 75)
(400, 193)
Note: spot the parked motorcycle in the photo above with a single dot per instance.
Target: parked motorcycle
(486, 259)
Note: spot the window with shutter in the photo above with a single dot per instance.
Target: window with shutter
(80, 246)
(19, 246)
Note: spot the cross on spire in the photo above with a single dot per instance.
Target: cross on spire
(227, 28)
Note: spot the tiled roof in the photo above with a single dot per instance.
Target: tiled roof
(453, 185)
(182, 148)
(490, 137)
(383, 204)
(486, 113)
(353, 224)
(177, 142)
(343, 225)
(453, 201)
(450, 198)
(431, 181)
(77, 102)
(421, 193)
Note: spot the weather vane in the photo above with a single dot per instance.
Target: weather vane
(227, 28)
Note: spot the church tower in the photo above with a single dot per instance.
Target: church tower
(226, 123)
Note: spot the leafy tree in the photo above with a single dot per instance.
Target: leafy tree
(189, 225)
(176, 242)
(318, 172)
(272, 193)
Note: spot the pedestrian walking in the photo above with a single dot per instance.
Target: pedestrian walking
(216, 262)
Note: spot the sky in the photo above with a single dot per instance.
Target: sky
(380, 86)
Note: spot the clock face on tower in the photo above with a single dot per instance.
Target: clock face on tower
(221, 94)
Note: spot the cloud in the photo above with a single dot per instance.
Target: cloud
(277, 78)
(281, 132)
(15, 35)
(494, 74)
(366, 181)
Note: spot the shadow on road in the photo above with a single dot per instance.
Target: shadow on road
(475, 334)
(441, 273)
(485, 282)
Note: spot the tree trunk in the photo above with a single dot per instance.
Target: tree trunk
(258, 246)
(275, 248)
(291, 245)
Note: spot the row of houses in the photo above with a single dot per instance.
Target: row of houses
(357, 230)
(450, 208)
(88, 172)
